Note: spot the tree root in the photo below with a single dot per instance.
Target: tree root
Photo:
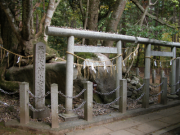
(7, 85)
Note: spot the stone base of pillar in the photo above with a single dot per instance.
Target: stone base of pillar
(43, 114)
(173, 96)
(69, 117)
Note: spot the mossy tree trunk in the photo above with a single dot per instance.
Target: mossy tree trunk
(18, 33)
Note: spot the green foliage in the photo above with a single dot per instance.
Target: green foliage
(64, 16)
(151, 32)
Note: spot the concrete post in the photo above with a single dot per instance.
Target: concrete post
(145, 98)
(170, 77)
(153, 76)
(137, 71)
(173, 70)
(123, 95)
(69, 74)
(88, 97)
(178, 88)
(147, 61)
(24, 101)
(54, 105)
(164, 88)
(177, 69)
(119, 66)
(162, 74)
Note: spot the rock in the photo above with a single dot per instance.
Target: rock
(134, 81)
(135, 78)
(55, 73)
(133, 96)
(135, 92)
(128, 80)
(104, 78)
(132, 88)
(129, 93)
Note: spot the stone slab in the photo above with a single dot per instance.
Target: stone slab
(121, 132)
(151, 126)
(100, 130)
(159, 132)
(168, 112)
(172, 96)
(147, 117)
(135, 131)
(171, 119)
(122, 124)
(69, 117)
(176, 108)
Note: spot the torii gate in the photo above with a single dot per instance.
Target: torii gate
(71, 33)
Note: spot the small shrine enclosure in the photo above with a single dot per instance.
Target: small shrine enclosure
(38, 95)
(71, 33)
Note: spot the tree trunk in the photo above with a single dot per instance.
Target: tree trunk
(51, 9)
(114, 20)
(93, 18)
(86, 19)
(10, 42)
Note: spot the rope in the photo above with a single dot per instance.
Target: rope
(92, 60)
(15, 53)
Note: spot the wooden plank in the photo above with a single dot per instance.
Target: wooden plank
(158, 53)
(95, 49)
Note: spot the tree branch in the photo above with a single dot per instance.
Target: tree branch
(26, 18)
(11, 19)
(57, 3)
(81, 8)
(150, 15)
(86, 19)
(50, 11)
(151, 4)
(41, 27)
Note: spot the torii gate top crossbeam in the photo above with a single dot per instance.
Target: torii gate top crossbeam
(56, 31)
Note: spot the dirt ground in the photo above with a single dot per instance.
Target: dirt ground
(14, 131)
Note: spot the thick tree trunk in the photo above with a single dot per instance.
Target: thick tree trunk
(114, 20)
(26, 19)
(93, 18)
(86, 18)
(10, 42)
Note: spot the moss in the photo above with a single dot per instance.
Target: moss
(49, 50)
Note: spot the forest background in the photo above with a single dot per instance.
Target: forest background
(23, 23)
